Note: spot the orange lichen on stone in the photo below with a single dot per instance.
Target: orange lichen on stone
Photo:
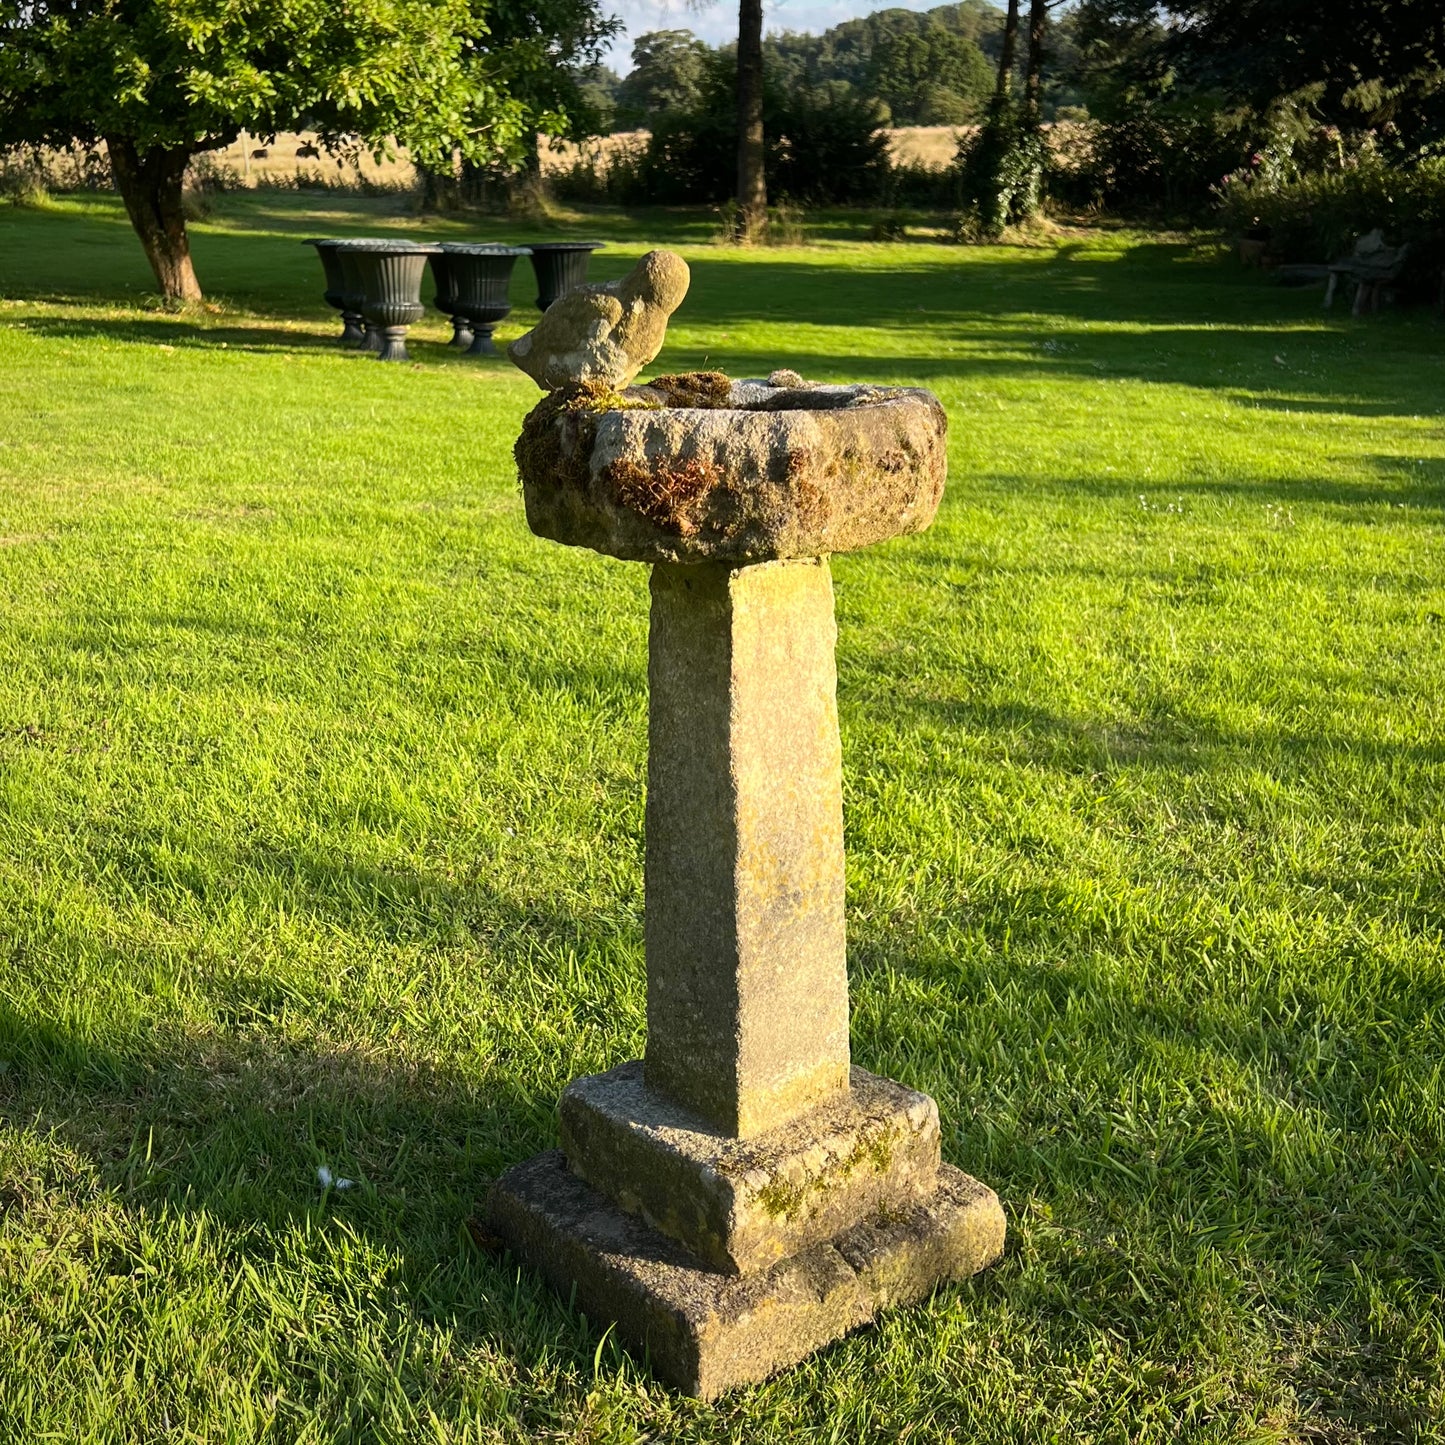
(664, 495)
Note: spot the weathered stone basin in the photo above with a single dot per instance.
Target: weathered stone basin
(695, 468)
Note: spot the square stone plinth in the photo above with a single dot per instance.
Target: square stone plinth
(707, 1332)
(743, 1204)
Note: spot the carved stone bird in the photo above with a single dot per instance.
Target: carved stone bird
(607, 332)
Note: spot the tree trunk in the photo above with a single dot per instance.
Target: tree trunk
(752, 179)
(1009, 54)
(528, 192)
(1029, 200)
(1034, 75)
(150, 186)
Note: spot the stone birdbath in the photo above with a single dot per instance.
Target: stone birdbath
(741, 1195)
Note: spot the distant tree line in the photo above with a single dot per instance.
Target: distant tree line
(1171, 109)
(827, 101)
(935, 67)
(1306, 119)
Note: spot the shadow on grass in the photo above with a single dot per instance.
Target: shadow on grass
(177, 331)
(1151, 310)
(233, 1121)
(1403, 481)
(1199, 1159)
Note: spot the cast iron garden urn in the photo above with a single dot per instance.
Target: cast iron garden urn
(337, 295)
(561, 266)
(391, 273)
(348, 257)
(481, 279)
(445, 299)
(742, 1194)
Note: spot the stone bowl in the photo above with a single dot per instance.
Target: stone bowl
(700, 469)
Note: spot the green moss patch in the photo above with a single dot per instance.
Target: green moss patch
(711, 390)
(548, 447)
(784, 1199)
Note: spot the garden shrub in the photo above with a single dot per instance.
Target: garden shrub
(785, 225)
(1318, 214)
(1146, 156)
(918, 186)
(29, 174)
(598, 177)
(22, 179)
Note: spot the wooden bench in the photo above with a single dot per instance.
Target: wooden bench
(1373, 266)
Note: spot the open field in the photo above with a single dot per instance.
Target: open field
(285, 161)
(321, 831)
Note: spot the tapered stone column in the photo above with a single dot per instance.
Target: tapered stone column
(747, 985)
(742, 1195)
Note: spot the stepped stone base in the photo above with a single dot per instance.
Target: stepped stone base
(706, 1332)
(743, 1204)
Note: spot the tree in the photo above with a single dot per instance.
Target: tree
(1360, 65)
(1008, 53)
(752, 193)
(669, 72)
(161, 81)
(598, 85)
(538, 51)
(928, 68)
(1002, 169)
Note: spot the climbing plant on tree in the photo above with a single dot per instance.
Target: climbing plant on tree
(1002, 168)
(160, 81)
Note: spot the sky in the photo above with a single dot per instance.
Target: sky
(718, 22)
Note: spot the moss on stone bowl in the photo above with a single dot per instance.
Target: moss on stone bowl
(695, 468)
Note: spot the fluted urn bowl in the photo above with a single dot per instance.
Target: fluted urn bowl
(346, 301)
(353, 280)
(698, 468)
(561, 266)
(391, 273)
(481, 280)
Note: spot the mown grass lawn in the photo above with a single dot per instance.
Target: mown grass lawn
(321, 830)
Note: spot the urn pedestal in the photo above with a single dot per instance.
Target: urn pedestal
(445, 299)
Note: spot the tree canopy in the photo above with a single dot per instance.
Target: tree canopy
(930, 67)
(161, 80)
(1367, 64)
(669, 73)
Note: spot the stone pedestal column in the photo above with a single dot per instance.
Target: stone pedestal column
(747, 985)
(742, 1195)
